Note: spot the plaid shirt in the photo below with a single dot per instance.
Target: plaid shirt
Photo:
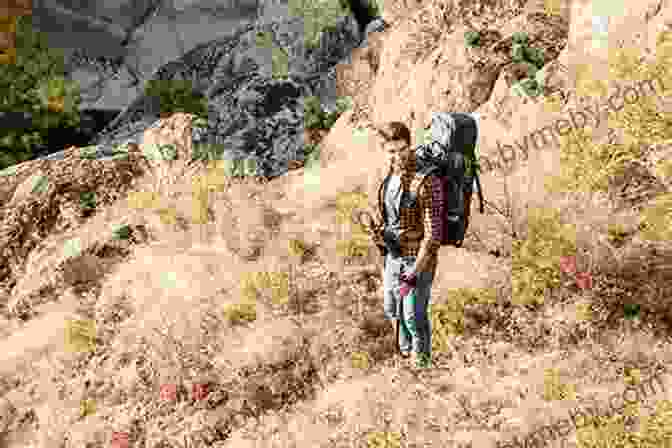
(418, 227)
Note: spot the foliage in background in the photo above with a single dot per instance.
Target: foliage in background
(87, 407)
(386, 439)
(272, 284)
(167, 151)
(121, 232)
(664, 170)
(87, 200)
(536, 259)
(554, 389)
(472, 38)
(318, 16)
(311, 154)
(521, 52)
(657, 219)
(611, 431)
(447, 318)
(589, 166)
(177, 96)
(279, 58)
(80, 335)
(35, 84)
(375, 9)
(355, 242)
(297, 248)
(360, 360)
(315, 117)
(240, 313)
(207, 151)
(586, 165)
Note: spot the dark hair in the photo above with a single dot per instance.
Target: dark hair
(394, 131)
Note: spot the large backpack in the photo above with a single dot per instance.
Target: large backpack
(454, 137)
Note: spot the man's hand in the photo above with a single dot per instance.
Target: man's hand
(409, 278)
(372, 228)
(404, 290)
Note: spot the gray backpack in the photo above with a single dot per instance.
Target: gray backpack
(454, 137)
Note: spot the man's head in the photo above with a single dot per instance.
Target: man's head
(397, 145)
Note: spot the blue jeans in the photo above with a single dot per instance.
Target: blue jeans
(415, 332)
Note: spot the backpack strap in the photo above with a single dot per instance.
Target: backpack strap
(481, 209)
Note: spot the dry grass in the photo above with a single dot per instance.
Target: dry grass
(227, 322)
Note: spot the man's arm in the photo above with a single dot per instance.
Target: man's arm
(430, 244)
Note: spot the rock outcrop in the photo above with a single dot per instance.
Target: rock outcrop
(253, 113)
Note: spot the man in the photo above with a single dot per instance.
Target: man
(412, 253)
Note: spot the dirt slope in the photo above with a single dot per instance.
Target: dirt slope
(240, 313)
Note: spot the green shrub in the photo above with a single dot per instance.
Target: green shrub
(87, 200)
(88, 152)
(207, 151)
(87, 407)
(72, 248)
(385, 439)
(347, 203)
(274, 284)
(520, 37)
(279, 56)
(610, 431)
(656, 219)
(280, 63)
(264, 39)
(240, 167)
(80, 335)
(177, 96)
(472, 38)
(317, 118)
(534, 56)
(35, 84)
(121, 232)
(586, 165)
(317, 17)
(9, 171)
(297, 248)
(631, 310)
(40, 184)
(312, 113)
(528, 87)
(536, 260)
(166, 151)
(616, 234)
(240, 313)
(374, 8)
(448, 318)
(518, 52)
(357, 246)
(360, 360)
(311, 153)
(663, 170)
(554, 389)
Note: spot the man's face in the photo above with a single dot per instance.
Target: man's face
(399, 154)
